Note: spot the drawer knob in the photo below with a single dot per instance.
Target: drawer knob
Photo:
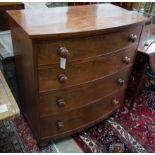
(126, 60)
(61, 102)
(115, 102)
(132, 37)
(60, 125)
(121, 82)
(63, 52)
(62, 78)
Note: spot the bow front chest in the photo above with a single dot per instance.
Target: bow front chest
(73, 64)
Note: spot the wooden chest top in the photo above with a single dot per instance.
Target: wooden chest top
(68, 21)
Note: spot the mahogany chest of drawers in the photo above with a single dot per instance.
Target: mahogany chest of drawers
(95, 44)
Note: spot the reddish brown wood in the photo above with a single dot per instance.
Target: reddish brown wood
(101, 56)
(148, 36)
(4, 24)
(96, 45)
(78, 3)
(75, 20)
(63, 52)
(83, 72)
(76, 120)
(141, 62)
(26, 76)
(82, 95)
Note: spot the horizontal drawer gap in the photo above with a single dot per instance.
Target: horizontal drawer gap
(88, 104)
(78, 85)
(78, 61)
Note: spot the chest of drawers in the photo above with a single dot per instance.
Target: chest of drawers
(99, 45)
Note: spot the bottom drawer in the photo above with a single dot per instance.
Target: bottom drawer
(76, 120)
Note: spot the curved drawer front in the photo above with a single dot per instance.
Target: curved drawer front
(81, 118)
(69, 99)
(81, 48)
(79, 73)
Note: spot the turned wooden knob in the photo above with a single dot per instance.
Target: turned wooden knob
(61, 102)
(121, 82)
(126, 60)
(132, 37)
(62, 78)
(115, 102)
(60, 125)
(63, 52)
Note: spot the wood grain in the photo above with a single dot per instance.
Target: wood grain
(75, 98)
(83, 72)
(96, 45)
(26, 76)
(96, 36)
(72, 20)
(77, 119)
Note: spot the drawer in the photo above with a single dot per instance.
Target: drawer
(69, 99)
(81, 118)
(75, 74)
(81, 48)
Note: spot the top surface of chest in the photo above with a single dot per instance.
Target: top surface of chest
(72, 20)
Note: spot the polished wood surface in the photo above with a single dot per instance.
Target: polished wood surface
(8, 106)
(9, 5)
(73, 98)
(77, 119)
(84, 71)
(4, 24)
(99, 43)
(148, 36)
(66, 21)
(142, 61)
(26, 77)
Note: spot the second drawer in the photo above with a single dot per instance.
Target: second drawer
(75, 74)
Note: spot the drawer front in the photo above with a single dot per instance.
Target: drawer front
(69, 99)
(81, 118)
(49, 52)
(79, 73)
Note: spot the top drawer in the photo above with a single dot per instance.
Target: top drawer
(80, 48)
